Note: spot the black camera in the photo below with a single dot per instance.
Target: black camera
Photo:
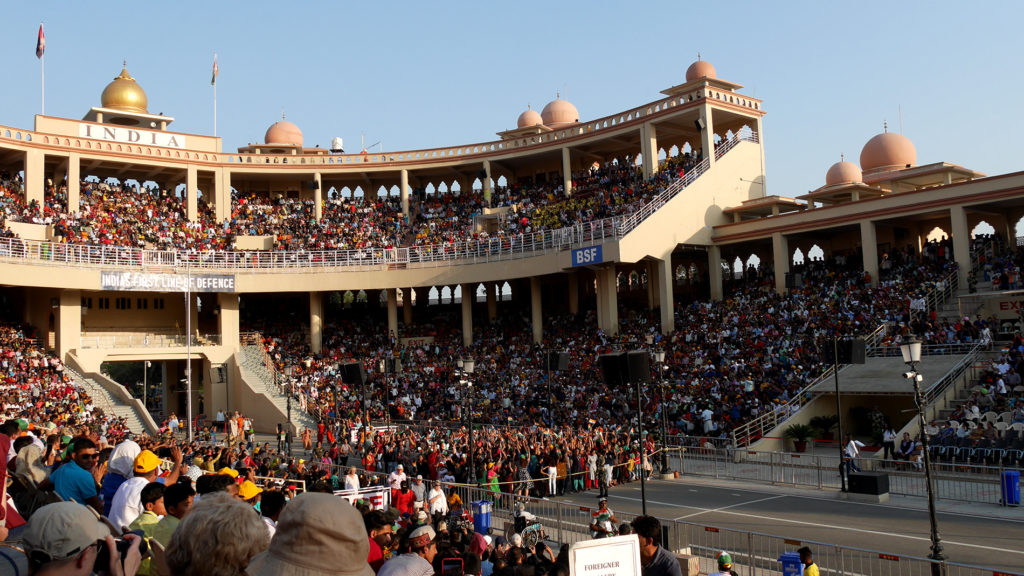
(103, 558)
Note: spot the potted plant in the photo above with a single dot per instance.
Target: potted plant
(825, 424)
(799, 434)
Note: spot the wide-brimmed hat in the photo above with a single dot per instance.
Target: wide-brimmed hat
(317, 535)
(61, 530)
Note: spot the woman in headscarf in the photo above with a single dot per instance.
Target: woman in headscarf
(119, 469)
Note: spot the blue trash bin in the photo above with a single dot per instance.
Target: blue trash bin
(1010, 485)
(791, 564)
(481, 516)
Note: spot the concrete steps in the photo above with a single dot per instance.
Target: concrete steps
(261, 380)
(108, 402)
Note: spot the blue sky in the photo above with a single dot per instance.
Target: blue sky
(428, 74)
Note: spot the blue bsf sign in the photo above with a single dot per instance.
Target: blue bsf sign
(587, 256)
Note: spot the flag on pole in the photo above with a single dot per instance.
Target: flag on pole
(40, 43)
(216, 71)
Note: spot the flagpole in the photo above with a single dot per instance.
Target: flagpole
(42, 85)
(216, 71)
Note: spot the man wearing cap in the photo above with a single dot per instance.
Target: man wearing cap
(127, 505)
(603, 520)
(724, 565)
(418, 562)
(654, 560)
(396, 478)
(419, 488)
(74, 481)
(63, 539)
(250, 493)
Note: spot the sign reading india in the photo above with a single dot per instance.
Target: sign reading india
(615, 556)
(131, 135)
(141, 281)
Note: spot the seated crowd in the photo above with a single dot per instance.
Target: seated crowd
(126, 215)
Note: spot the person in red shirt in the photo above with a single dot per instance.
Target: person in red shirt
(404, 499)
(380, 533)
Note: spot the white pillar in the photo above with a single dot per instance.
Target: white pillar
(707, 136)
(537, 314)
(665, 297)
(607, 301)
(393, 312)
(574, 292)
(407, 306)
(961, 242)
(649, 149)
(221, 194)
(316, 322)
(69, 322)
(780, 255)
(566, 172)
(487, 183)
(492, 300)
(869, 245)
(192, 193)
(227, 320)
(467, 314)
(760, 143)
(318, 197)
(715, 272)
(74, 182)
(34, 177)
(403, 186)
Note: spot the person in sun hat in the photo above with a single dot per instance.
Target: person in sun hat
(64, 539)
(724, 564)
(250, 493)
(317, 535)
(126, 505)
(417, 562)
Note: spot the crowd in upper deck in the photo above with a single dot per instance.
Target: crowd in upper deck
(132, 215)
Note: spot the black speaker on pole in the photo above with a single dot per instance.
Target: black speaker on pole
(614, 369)
(558, 361)
(850, 351)
(639, 366)
(699, 123)
(353, 373)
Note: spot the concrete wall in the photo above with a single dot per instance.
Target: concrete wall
(254, 242)
(244, 398)
(117, 391)
(29, 231)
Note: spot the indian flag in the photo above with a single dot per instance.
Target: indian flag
(216, 71)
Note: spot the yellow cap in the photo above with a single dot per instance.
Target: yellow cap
(229, 471)
(248, 490)
(146, 462)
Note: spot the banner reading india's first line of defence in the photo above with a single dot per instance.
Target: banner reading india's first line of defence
(141, 281)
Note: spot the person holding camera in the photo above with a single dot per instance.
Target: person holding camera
(68, 539)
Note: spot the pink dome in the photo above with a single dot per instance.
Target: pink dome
(559, 114)
(700, 69)
(283, 132)
(529, 118)
(887, 151)
(843, 173)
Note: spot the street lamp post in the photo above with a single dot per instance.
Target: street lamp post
(145, 383)
(466, 366)
(911, 351)
(288, 372)
(659, 357)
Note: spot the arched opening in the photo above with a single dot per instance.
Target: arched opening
(983, 229)
(798, 257)
(816, 253)
(506, 292)
(481, 293)
(446, 295)
(433, 296)
(937, 234)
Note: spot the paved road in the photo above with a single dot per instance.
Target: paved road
(969, 535)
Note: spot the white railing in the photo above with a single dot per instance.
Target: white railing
(473, 251)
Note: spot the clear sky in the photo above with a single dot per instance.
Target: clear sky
(431, 74)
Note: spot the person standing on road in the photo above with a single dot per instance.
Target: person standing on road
(810, 568)
(889, 443)
(852, 452)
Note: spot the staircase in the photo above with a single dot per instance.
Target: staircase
(110, 404)
(253, 365)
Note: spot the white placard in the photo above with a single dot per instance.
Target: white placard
(615, 556)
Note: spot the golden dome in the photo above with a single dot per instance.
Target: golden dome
(125, 94)
(283, 132)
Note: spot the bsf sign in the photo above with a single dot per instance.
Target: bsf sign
(587, 256)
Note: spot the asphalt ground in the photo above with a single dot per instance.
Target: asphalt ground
(983, 535)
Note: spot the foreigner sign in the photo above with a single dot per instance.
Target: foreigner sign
(150, 282)
(616, 556)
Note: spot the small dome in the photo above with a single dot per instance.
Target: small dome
(283, 132)
(124, 94)
(843, 173)
(529, 118)
(887, 151)
(700, 69)
(559, 114)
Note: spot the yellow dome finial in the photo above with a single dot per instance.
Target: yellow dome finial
(124, 93)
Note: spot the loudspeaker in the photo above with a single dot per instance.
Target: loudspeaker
(558, 361)
(312, 185)
(874, 483)
(851, 351)
(482, 175)
(614, 369)
(387, 365)
(639, 362)
(353, 373)
(699, 123)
